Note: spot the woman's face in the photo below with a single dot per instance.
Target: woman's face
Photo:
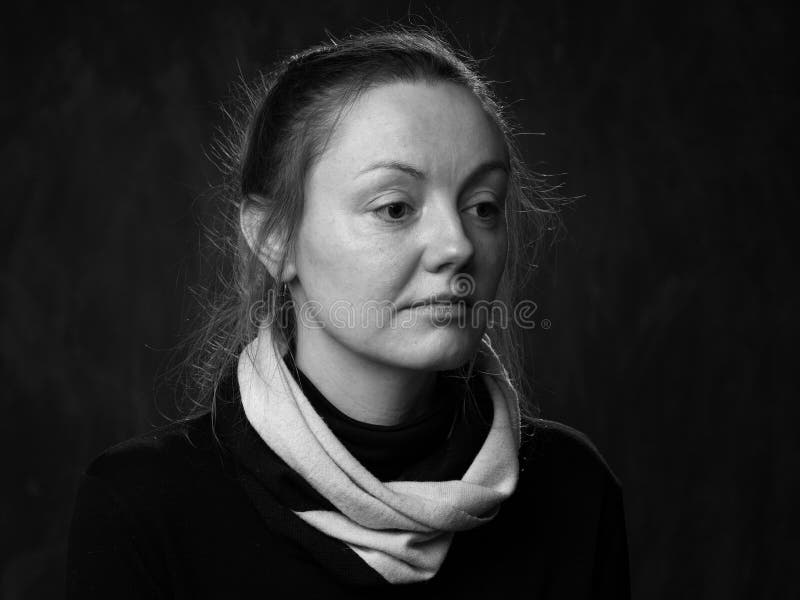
(407, 202)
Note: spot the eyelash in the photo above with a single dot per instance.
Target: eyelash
(494, 208)
(382, 209)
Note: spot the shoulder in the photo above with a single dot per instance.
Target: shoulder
(133, 504)
(156, 459)
(563, 452)
(571, 502)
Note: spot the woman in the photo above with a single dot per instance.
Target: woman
(362, 433)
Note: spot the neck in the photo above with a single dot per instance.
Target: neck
(365, 390)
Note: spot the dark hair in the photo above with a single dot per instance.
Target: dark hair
(281, 127)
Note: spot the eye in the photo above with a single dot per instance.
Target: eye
(488, 212)
(394, 212)
(485, 210)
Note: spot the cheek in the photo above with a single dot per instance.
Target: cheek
(493, 250)
(323, 263)
(336, 262)
(502, 253)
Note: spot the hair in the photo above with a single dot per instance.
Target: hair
(281, 125)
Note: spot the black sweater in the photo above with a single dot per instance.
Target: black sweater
(203, 509)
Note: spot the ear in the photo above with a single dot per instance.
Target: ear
(268, 251)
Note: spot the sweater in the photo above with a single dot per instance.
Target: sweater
(402, 529)
(202, 508)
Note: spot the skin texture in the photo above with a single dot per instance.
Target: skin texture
(409, 194)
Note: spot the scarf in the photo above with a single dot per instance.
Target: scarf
(437, 445)
(402, 529)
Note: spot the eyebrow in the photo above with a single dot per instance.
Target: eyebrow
(477, 172)
(395, 166)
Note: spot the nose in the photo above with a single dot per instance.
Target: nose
(447, 244)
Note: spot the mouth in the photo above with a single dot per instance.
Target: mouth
(444, 300)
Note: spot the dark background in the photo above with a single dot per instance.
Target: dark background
(671, 296)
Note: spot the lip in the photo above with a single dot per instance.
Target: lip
(445, 299)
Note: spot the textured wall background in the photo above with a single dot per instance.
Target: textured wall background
(671, 298)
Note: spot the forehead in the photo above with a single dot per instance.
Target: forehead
(439, 126)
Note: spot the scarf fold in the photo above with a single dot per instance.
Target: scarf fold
(402, 529)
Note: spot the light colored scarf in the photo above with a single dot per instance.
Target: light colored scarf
(402, 529)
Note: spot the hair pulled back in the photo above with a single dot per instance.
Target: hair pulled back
(283, 123)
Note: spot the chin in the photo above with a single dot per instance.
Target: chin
(442, 349)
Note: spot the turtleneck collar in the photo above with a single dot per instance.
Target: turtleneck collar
(406, 450)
